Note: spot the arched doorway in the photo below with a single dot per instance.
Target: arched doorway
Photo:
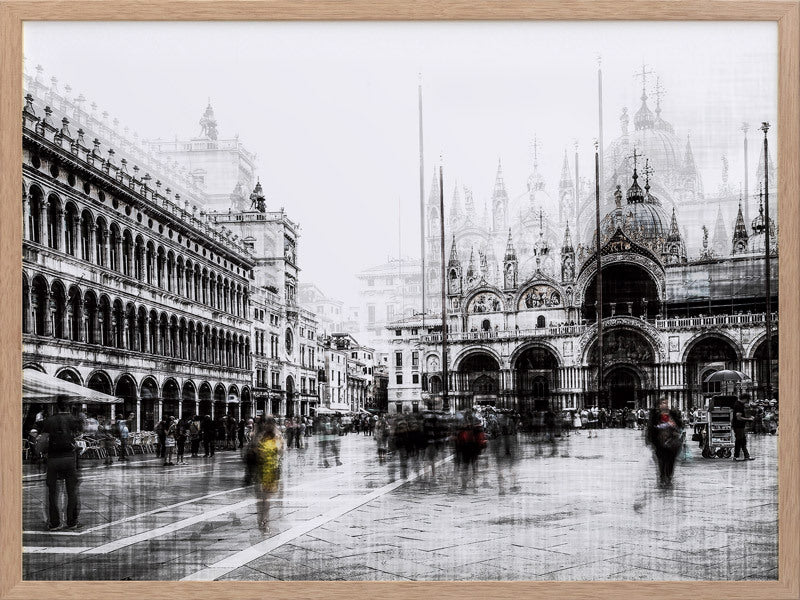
(478, 381)
(623, 385)
(535, 370)
(234, 409)
(205, 395)
(99, 382)
(247, 403)
(189, 398)
(170, 393)
(126, 389)
(628, 289)
(705, 356)
(149, 398)
(220, 402)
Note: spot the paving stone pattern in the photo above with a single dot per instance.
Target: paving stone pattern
(577, 509)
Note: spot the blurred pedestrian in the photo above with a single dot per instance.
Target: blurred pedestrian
(470, 442)
(161, 437)
(181, 435)
(61, 429)
(107, 440)
(664, 433)
(269, 450)
(194, 436)
(124, 434)
(382, 437)
(207, 431)
(739, 423)
(169, 440)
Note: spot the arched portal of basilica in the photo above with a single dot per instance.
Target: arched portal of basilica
(477, 381)
(629, 364)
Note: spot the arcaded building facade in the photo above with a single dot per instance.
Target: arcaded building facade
(127, 288)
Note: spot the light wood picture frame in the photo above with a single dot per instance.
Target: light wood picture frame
(13, 13)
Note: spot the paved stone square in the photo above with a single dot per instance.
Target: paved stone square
(578, 509)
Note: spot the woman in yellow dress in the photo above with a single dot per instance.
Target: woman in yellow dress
(269, 451)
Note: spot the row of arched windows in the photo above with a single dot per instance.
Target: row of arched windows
(66, 312)
(78, 233)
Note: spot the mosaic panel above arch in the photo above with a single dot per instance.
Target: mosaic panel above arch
(539, 296)
(485, 302)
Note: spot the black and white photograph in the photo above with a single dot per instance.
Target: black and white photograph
(400, 301)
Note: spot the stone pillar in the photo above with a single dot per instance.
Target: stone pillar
(26, 215)
(59, 229)
(138, 424)
(106, 248)
(49, 317)
(159, 409)
(91, 230)
(180, 409)
(118, 251)
(42, 220)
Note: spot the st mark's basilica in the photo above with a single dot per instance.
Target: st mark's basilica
(683, 283)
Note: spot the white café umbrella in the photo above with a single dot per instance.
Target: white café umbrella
(38, 387)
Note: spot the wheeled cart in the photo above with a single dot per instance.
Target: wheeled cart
(718, 440)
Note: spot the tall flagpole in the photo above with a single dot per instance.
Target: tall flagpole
(599, 274)
(421, 200)
(600, 114)
(745, 128)
(767, 266)
(445, 382)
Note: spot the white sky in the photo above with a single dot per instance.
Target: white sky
(330, 109)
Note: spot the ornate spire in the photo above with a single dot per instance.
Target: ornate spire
(499, 184)
(660, 123)
(511, 254)
(689, 167)
(453, 253)
(643, 119)
(674, 248)
(740, 236)
(455, 208)
(719, 242)
(674, 231)
(566, 175)
(471, 265)
(567, 240)
(635, 193)
(433, 198)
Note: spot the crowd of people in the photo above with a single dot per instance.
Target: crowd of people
(406, 443)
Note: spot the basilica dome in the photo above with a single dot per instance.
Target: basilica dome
(662, 147)
(642, 218)
(653, 138)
